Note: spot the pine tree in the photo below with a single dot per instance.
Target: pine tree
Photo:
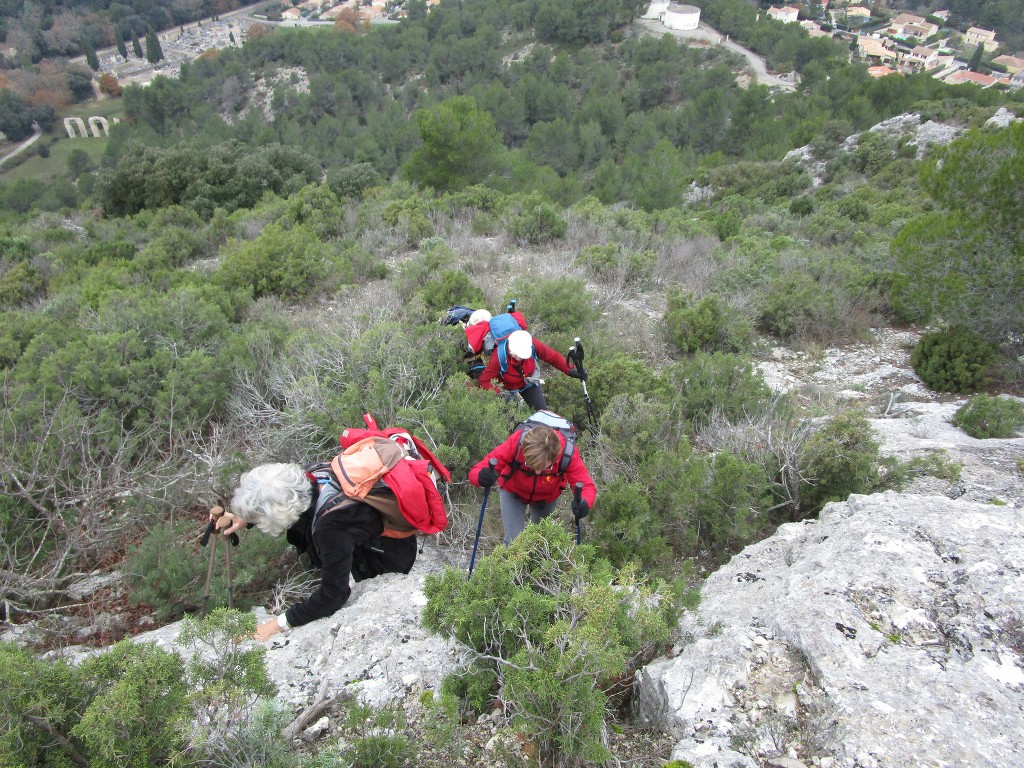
(136, 45)
(153, 52)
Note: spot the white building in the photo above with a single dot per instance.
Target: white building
(788, 14)
(681, 16)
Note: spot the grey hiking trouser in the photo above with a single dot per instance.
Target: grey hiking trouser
(513, 513)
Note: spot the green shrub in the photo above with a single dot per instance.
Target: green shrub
(288, 263)
(376, 739)
(610, 374)
(797, 305)
(139, 703)
(532, 219)
(953, 360)
(802, 206)
(167, 570)
(718, 384)
(983, 416)
(705, 326)
(351, 180)
(21, 283)
(564, 624)
(563, 304)
(840, 459)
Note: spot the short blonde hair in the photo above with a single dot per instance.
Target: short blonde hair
(272, 496)
(541, 448)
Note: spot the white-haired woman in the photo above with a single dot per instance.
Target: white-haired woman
(342, 536)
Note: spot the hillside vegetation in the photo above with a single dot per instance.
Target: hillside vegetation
(239, 279)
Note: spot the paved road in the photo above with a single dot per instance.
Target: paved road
(709, 35)
(24, 145)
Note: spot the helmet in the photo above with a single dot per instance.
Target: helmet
(520, 344)
(479, 316)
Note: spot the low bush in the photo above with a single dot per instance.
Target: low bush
(984, 416)
(124, 707)
(840, 459)
(557, 626)
(704, 326)
(953, 360)
(532, 219)
(717, 384)
(167, 570)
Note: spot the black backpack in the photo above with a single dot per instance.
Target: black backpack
(557, 423)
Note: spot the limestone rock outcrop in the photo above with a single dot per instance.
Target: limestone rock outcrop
(889, 633)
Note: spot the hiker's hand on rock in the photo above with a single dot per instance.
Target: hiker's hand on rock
(228, 523)
(267, 629)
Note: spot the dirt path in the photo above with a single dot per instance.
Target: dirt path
(24, 145)
(712, 36)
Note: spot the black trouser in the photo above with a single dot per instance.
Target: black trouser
(534, 396)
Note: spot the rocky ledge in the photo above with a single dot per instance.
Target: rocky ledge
(888, 633)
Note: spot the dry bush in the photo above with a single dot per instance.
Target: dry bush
(689, 263)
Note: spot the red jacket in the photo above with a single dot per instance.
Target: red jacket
(528, 485)
(515, 374)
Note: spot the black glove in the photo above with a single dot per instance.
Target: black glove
(580, 509)
(487, 477)
(576, 373)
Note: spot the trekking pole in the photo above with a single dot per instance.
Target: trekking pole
(575, 358)
(209, 568)
(211, 529)
(577, 496)
(227, 567)
(480, 523)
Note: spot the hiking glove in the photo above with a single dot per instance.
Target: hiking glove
(580, 509)
(487, 477)
(576, 373)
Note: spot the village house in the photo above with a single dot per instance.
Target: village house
(787, 14)
(872, 48)
(881, 71)
(909, 25)
(982, 37)
(966, 76)
(921, 58)
(854, 14)
(1013, 64)
(813, 29)
(291, 14)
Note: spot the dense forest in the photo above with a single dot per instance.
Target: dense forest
(264, 250)
(39, 29)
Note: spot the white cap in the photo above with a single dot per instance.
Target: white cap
(479, 316)
(520, 344)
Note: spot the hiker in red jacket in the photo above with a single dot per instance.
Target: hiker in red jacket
(529, 475)
(515, 365)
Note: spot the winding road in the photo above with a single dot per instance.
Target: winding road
(709, 35)
(37, 132)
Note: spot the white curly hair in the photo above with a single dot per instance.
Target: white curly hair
(272, 496)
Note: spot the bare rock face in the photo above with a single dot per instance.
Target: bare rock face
(374, 648)
(888, 633)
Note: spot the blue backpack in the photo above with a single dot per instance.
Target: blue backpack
(503, 326)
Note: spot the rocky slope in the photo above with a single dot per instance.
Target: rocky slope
(888, 633)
